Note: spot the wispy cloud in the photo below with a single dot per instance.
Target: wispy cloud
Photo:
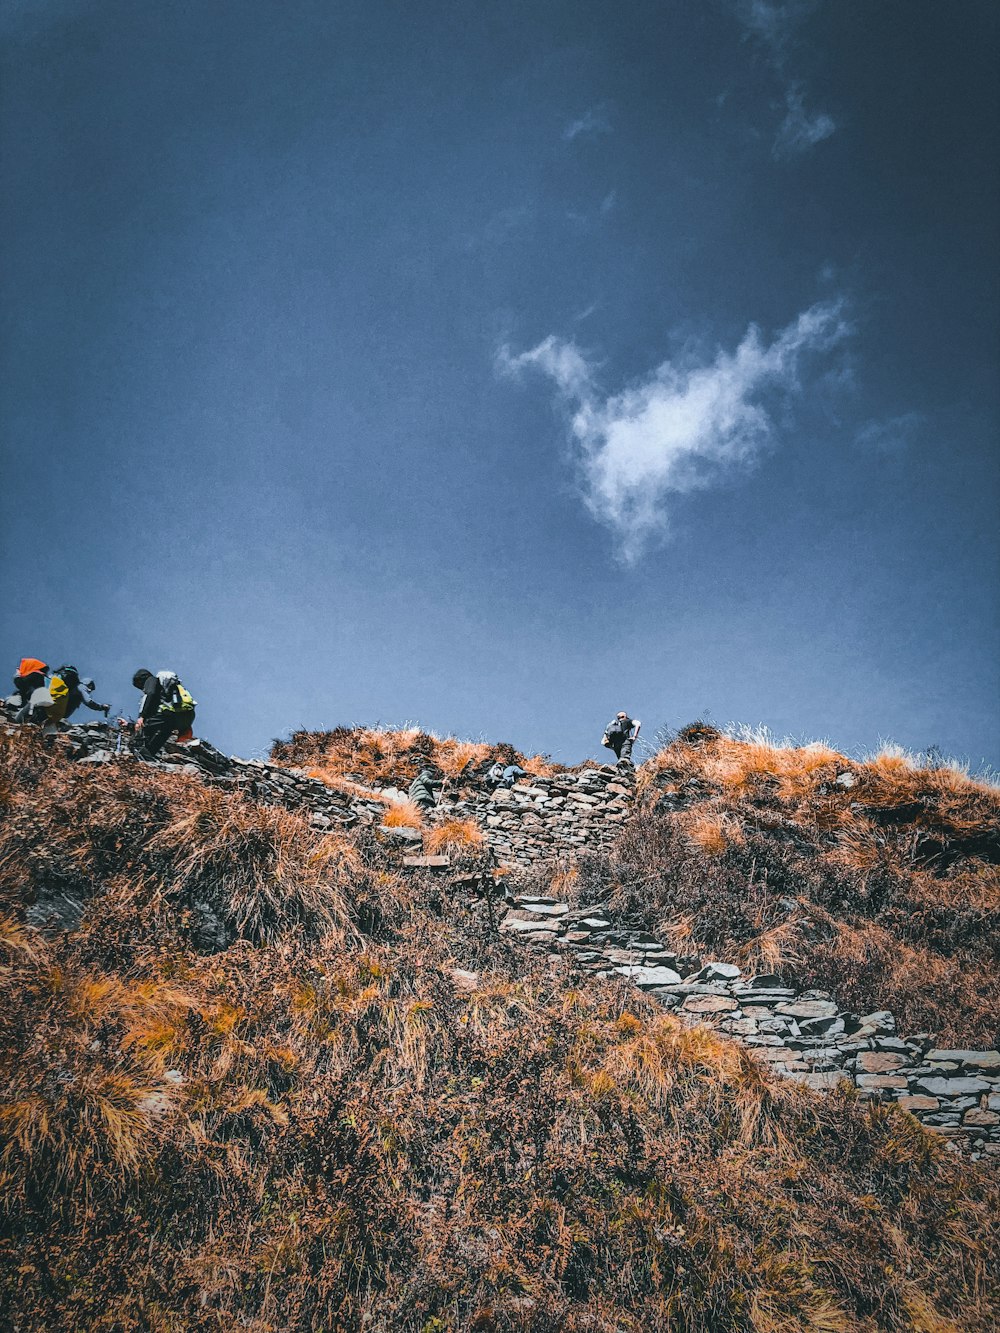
(594, 121)
(894, 435)
(800, 130)
(772, 23)
(682, 428)
(500, 227)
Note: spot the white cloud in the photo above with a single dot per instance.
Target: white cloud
(682, 428)
(593, 121)
(772, 23)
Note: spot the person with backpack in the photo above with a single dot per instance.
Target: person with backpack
(66, 689)
(620, 735)
(166, 709)
(31, 697)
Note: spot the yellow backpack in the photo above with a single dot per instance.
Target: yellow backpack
(176, 698)
(60, 699)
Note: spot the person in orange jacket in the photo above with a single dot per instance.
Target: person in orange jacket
(29, 677)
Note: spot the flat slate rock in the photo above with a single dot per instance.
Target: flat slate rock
(808, 1008)
(824, 1081)
(426, 862)
(649, 976)
(683, 988)
(542, 908)
(979, 1059)
(709, 1004)
(400, 833)
(951, 1087)
(717, 972)
(519, 926)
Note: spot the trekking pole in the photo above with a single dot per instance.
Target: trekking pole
(123, 724)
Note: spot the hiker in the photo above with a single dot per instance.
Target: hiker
(493, 776)
(422, 787)
(67, 690)
(511, 774)
(620, 735)
(167, 708)
(31, 698)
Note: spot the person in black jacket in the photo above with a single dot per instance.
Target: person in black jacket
(162, 713)
(620, 735)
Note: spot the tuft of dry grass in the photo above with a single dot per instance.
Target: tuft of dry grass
(453, 756)
(403, 814)
(258, 862)
(711, 832)
(540, 766)
(455, 835)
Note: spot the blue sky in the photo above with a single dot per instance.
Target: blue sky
(495, 367)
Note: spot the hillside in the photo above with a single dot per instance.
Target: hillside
(879, 880)
(271, 1077)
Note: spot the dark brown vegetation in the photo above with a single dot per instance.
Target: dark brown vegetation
(304, 1118)
(885, 891)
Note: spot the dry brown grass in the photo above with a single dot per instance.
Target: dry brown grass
(345, 785)
(452, 756)
(711, 832)
(257, 859)
(316, 1129)
(403, 814)
(454, 835)
(355, 759)
(766, 858)
(541, 766)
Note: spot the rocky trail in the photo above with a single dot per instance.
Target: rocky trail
(801, 1034)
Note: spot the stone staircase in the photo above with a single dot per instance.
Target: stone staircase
(803, 1035)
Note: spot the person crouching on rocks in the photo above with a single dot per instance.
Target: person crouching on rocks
(31, 698)
(167, 709)
(67, 690)
(422, 787)
(620, 735)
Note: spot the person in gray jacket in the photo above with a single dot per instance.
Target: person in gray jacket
(422, 791)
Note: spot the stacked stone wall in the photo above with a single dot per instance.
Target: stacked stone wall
(537, 820)
(549, 819)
